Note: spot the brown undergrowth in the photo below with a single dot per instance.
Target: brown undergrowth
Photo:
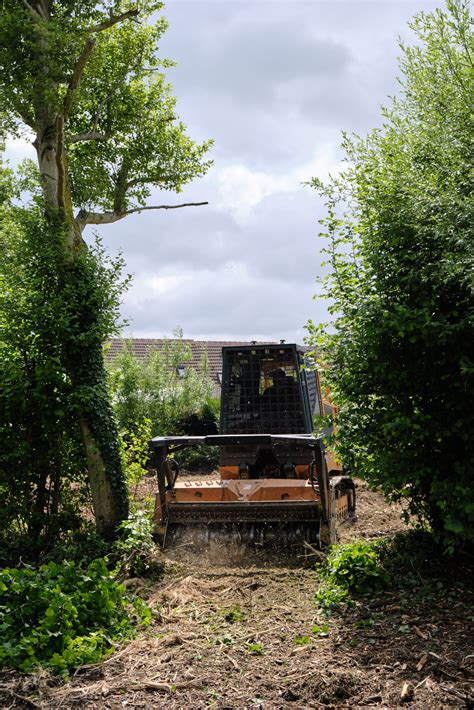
(243, 631)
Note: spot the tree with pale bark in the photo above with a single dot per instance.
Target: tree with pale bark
(84, 81)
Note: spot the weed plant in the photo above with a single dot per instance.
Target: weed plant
(413, 564)
(351, 570)
(61, 616)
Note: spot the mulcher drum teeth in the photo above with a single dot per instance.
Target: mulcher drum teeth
(261, 512)
(247, 524)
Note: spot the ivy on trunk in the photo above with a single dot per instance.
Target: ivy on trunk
(86, 81)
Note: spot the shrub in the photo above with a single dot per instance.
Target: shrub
(81, 546)
(135, 451)
(151, 398)
(156, 388)
(400, 252)
(62, 616)
(354, 569)
(135, 547)
(204, 421)
(411, 563)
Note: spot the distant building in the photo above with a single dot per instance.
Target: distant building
(141, 348)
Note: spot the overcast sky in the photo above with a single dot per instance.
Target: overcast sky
(274, 84)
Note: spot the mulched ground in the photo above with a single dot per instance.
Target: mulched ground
(238, 631)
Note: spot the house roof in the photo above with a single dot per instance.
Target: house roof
(141, 347)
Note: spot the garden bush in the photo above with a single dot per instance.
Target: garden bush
(61, 616)
(411, 564)
(157, 389)
(136, 552)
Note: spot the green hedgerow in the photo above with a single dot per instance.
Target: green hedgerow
(397, 350)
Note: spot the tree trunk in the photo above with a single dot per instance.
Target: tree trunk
(86, 369)
(107, 506)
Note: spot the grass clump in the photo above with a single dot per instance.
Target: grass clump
(301, 640)
(255, 649)
(62, 615)
(321, 631)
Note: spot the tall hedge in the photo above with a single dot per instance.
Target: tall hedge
(400, 256)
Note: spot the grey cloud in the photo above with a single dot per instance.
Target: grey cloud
(258, 77)
(257, 60)
(212, 304)
(271, 82)
(278, 241)
(196, 237)
(255, 281)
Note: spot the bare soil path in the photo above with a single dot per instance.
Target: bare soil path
(239, 632)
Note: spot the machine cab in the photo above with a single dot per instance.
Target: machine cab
(265, 389)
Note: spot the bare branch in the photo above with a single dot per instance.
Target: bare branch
(91, 136)
(35, 15)
(167, 207)
(115, 19)
(85, 217)
(104, 101)
(75, 79)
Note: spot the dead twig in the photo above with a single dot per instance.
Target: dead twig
(422, 682)
(24, 699)
(449, 675)
(419, 633)
(407, 692)
(421, 663)
(234, 663)
(468, 699)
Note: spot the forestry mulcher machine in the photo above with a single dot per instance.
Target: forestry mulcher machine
(277, 481)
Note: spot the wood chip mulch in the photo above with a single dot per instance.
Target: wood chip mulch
(239, 631)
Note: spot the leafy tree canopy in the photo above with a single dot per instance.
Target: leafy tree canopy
(94, 67)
